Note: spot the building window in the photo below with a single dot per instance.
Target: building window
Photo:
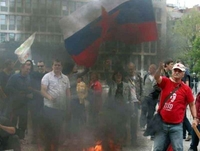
(19, 37)
(11, 22)
(28, 6)
(50, 38)
(19, 6)
(158, 13)
(72, 6)
(26, 36)
(57, 25)
(50, 24)
(19, 23)
(35, 6)
(65, 8)
(57, 39)
(42, 6)
(2, 37)
(159, 45)
(3, 22)
(42, 22)
(42, 38)
(12, 5)
(27, 23)
(57, 5)
(34, 23)
(4, 5)
(37, 38)
(50, 9)
(159, 28)
(153, 47)
(146, 47)
(79, 4)
(11, 37)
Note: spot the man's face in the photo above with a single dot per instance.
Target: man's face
(57, 67)
(41, 67)
(152, 69)
(170, 66)
(131, 69)
(177, 74)
(28, 63)
(26, 69)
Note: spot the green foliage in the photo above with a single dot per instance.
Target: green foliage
(195, 55)
(186, 39)
(187, 26)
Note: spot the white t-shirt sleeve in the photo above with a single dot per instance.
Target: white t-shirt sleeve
(45, 80)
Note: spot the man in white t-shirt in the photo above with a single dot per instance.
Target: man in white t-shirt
(55, 88)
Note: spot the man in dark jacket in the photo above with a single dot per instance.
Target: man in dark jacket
(17, 88)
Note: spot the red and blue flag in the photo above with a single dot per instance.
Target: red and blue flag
(128, 21)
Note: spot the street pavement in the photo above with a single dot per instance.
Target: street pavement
(144, 144)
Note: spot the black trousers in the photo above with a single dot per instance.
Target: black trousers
(20, 113)
(52, 123)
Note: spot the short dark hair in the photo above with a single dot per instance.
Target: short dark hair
(80, 77)
(40, 61)
(57, 60)
(168, 61)
(32, 66)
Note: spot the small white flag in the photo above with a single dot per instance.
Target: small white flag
(24, 50)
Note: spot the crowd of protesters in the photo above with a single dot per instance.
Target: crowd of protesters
(64, 103)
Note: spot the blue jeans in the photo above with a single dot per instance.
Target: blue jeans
(170, 134)
(195, 140)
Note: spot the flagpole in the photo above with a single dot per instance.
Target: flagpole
(16, 62)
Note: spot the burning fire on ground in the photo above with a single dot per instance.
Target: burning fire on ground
(111, 146)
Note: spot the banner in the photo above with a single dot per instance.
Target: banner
(24, 50)
(128, 21)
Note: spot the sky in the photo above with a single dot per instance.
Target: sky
(186, 3)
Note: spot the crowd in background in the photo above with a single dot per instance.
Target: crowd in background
(67, 103)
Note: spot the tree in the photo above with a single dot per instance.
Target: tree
(187, 26)
(195, 55)
(186, 30)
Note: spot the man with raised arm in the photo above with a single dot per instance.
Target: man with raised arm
(173, 109)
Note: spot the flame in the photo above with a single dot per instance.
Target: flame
(98, 146)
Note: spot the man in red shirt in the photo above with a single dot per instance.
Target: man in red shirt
(172, 110)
